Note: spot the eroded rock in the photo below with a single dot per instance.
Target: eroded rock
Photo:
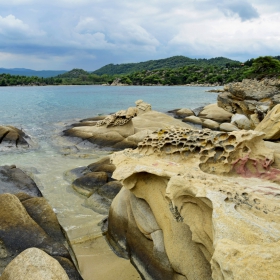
(12, 137)
(213, 195)
(250, 97)
(124, 129)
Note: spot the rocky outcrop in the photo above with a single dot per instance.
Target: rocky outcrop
(250, 97)
(198, 204)
(12, 137)
(34, 264)
(96, 183)
(27, 220)
(270, 125)
(124, 129)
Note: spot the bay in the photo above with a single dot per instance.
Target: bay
(43, 111)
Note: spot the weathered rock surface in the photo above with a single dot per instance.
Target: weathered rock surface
(182, 113)
(124, 129)
(215, 113)
(27, 220)
(12, 137)
(193, 119)
(228, 127)
(242, 122)
(13, 180)
(96, 183)
(198, 205)
(210, 124)
(34, 264)
(270, 125)
(250, 97)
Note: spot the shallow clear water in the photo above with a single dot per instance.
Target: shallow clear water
(37, 110)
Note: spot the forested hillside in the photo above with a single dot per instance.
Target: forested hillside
(167, 63)
(204, 74)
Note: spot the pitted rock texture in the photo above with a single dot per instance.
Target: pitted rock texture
(125, 129)
(119, 118)
(219, 152)
(250, 97)
(214, 197)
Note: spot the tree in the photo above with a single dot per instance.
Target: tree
(264, 66)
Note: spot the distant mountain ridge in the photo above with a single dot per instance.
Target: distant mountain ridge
(171, 62)
(29, 72)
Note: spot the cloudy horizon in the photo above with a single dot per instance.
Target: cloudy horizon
(88, 34)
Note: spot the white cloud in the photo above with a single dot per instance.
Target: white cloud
(14, 28)
(225, 36)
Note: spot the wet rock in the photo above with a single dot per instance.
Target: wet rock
(12, 137)
(13, 180)
(19, 231)
(89, 183)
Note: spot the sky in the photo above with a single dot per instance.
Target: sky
(88, 34)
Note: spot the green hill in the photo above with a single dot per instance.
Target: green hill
(74, 73)
(167, 63)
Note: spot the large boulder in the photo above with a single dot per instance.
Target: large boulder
(27, 220)
(13, 180)
(213, 196)
(34, 264)
(215, 113)
(270, 125)
(242, 122)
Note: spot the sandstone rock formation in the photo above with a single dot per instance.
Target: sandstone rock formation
(27, 220)
(12, 137)
(250, 97)
(215, 113)
(124, 129)
(270, 125)
(198, 204)
(34, 264)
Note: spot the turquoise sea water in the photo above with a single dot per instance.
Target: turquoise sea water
(37, 110)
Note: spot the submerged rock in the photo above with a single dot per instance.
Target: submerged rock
(12, 137)
(96, 183)
(213, 196)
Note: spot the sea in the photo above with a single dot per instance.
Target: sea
(43, 112)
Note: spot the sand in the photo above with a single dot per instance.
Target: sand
(98, 262)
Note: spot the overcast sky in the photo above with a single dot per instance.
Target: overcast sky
(88, 34)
